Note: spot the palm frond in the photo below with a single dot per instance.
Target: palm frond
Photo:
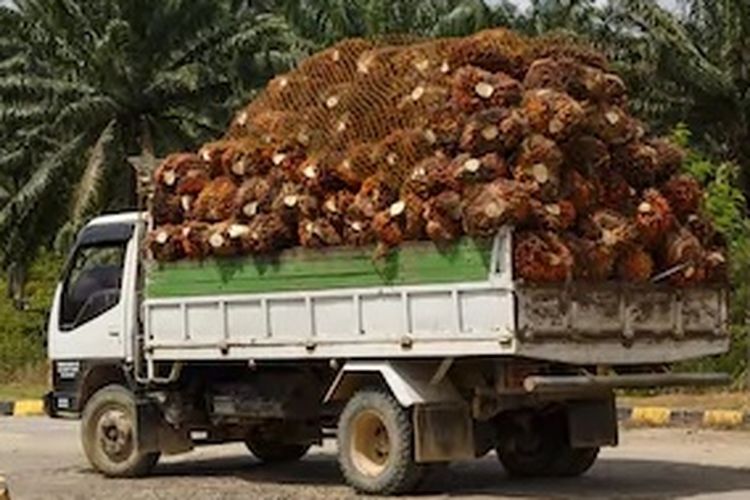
(48, 174)
(682, 57)
(16, 64)
(85, 112)
(19, 86)
(19, 115)
(13, 160)
(188, 80)
(87, 191)
(465, 18)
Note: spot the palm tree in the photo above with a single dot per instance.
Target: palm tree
(582, 17)
(84, 85)
(695, 68)
(326, 21)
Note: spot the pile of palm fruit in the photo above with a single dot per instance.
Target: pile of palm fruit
(374, 143)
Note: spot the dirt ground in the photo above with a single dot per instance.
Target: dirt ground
(41, 459)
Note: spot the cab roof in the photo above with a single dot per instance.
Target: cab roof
(120, 218)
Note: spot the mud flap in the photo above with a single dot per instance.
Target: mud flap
(592, 422)
(154, 434)
(443, 432)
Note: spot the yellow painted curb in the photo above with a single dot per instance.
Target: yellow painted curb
(650, 415)
(723, 418)
(28, 408)
(4, 493)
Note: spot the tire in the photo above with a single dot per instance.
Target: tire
(375, 445)
(528, 463)
(543, 450)
(108, 436)
(270, 451)
(574, 462)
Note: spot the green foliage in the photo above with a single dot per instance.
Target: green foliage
(583, 17)
(22, 333)
(726, 204)
(86, 85)
(690, 68)
(326, 21)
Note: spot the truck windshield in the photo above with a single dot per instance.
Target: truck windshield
(92, 285)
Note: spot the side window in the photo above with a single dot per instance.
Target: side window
(92, 284)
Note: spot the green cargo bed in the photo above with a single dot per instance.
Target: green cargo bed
(415, 263)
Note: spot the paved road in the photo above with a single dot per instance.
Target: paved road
(42, 460)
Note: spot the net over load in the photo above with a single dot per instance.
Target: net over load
(369, 143)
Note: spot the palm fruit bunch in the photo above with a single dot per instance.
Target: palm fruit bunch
(377, 143)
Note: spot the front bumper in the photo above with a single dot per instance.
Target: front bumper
(60, 405)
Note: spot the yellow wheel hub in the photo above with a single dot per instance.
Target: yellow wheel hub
(370, 444)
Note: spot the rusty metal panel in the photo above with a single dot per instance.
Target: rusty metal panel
(443, 433)
(705, 310)
(587, 313)
(651, 312)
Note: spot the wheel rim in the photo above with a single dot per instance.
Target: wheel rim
(370, 444)
(114, 433)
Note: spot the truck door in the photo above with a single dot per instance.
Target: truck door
(88, 319)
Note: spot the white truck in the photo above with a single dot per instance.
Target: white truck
(421, 358)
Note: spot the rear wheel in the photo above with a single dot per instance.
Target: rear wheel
(539, 447)
(375, 440)
(574, 462)
(108, 428)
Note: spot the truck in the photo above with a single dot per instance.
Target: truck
(414, 360)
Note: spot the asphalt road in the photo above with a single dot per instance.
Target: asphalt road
(41, 459)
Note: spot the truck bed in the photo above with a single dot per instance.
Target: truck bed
(420, 301)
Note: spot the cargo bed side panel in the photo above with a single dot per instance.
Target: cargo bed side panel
(419, 301)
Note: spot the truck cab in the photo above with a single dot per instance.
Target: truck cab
(94, 315)
(442, 357)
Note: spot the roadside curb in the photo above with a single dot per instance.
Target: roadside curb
(660, 416)
(4, 492)
(22, 408)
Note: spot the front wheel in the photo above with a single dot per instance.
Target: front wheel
(108, 428)
(375, 441)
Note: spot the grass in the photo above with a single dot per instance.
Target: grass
(17, 390)
(29, 383)
(724, 400)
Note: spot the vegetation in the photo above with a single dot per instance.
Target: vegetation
(727, 205)
(86, 85)
(692, 68)
(325, 21)
(22, 326)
